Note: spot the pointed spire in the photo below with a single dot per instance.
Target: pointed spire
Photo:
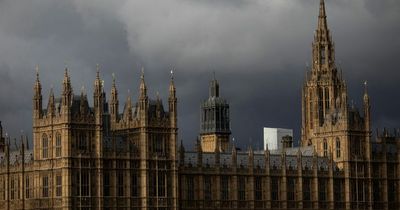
(322, 25)
(66, 82)
(51, 105)
(214, 87)
(143, 89)
(128, 107)
(98, 83)
(37, 97)
(172, 90)
(83, 90)
(97, 71)
(37, 72)
(38, 86)
(113, 79)
(365, 88)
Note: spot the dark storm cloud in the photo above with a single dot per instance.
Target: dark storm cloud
(258, 49)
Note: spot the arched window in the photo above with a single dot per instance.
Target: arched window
(45, 146)
(58, 145)
(326, 99)
(337, 148)
(325, 145)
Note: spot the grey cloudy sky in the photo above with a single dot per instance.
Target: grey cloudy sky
(258, 49)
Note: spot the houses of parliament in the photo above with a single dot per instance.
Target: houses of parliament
(100, 157)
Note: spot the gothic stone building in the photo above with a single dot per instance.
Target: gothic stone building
(100, 158)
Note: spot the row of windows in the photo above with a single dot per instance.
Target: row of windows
(121, 184)
(45, 146)
(275, 184)
(224, 188)
(15, 186)
(325, 148)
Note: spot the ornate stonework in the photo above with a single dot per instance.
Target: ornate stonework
(97, 157)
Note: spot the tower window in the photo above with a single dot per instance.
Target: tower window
(45, 186)
(58, 145)
(45, 145)
(58, 185)
(190, 188)
(322, 54)
(207, 188)
(320, 106)
(258, 188)
(337, 148)
(242, 188)
(224, 187)
(325, 147)
(120, 183)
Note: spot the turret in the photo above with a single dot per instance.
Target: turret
(98, 97)
(127, 115)
(51, 107)
(143, 100)
(367, 107)
(37, 97)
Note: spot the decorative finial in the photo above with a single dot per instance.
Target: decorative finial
(83, 90)
(97, 71)
(172, 74)
(142, 75)
(37, 71)
(158, 95)
(365, 87)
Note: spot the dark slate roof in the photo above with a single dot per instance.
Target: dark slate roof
(15, 157)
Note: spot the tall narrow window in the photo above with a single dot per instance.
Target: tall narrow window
(275, 192)
(322, 188)
(120, 184)
(45, 146)
(338, 148)
(291, 187)
(2, 188)
(58, 186)
(135, 184)
(258, 188)
(190, 188)
(325, 145)
(12, 190)
(207, 188)
(161, 183)
(322, 53)
(106, 183)
(224, 187)
(28, 187)
(58, 145)
(321, 115)
(85, 183)
(326, 99)
(45, 186)
(242, 188)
